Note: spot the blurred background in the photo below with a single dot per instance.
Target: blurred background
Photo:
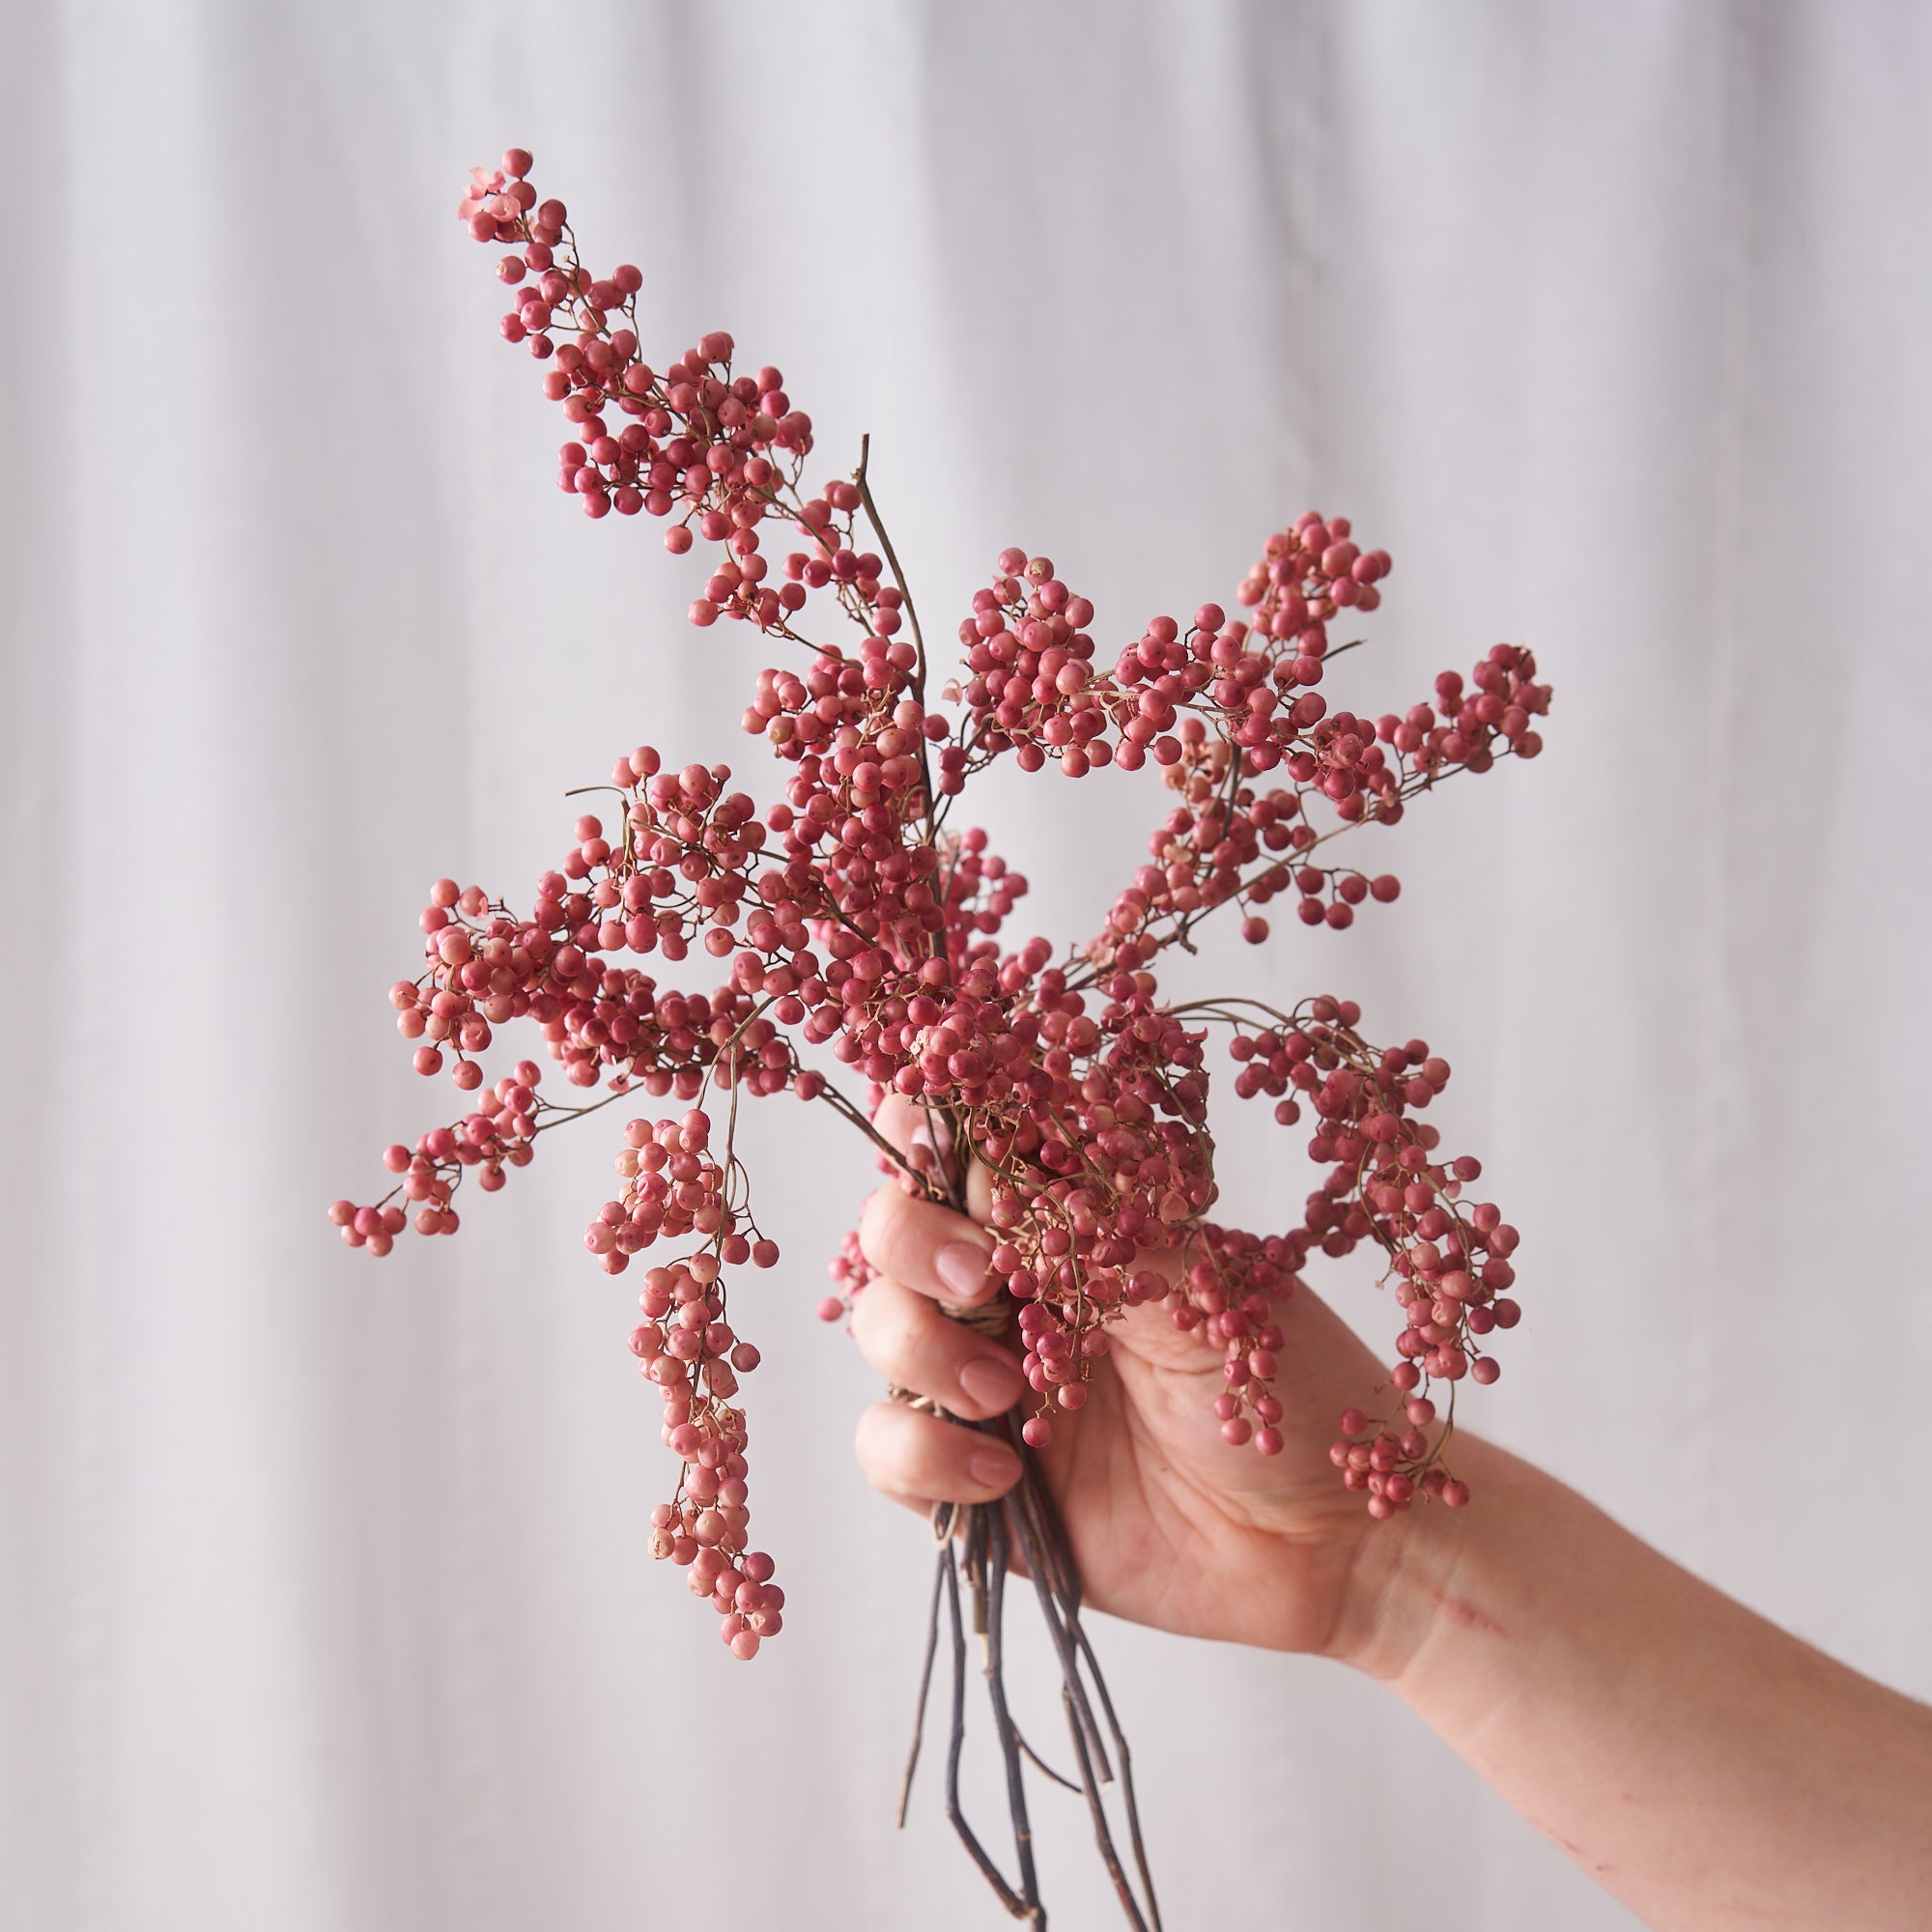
(324, 1601)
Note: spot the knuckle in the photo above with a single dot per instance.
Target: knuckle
(869, 1438)
(929, 1456)
(865, 1316)
(892, 1333)
(907, 1344)
(873, 1221)
(887, 1230)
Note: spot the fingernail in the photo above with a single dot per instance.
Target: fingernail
(996, 1468)
(993, 1383)
(963, 1267)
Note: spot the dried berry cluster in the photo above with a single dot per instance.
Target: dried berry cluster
(858, 934)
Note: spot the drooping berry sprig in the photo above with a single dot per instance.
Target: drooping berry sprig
(858, 934)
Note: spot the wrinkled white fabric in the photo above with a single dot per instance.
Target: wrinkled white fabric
(327, 1606)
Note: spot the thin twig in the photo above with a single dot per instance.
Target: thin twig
(1049, 1579)
(925, 1685)
(1040, 1764)
(1102, 1836)
(996, 1691)
(954, 1814)
(1126, 1758)
(932, 807)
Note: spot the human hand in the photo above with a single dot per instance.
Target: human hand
(1710, 1768)
(1169, 1523)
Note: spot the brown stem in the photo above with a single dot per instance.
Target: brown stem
(912, 617)
(1011, 1899)
(1026, 1522)
(1126, 1758)
(1057, 1601)
(1073, 1698)
(924, 1685)
(996, 1691)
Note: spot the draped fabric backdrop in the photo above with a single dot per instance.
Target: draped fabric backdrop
(327, 1605)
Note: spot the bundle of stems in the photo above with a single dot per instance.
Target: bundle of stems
(977, 1545)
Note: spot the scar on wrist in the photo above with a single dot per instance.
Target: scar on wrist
(1459, 1610)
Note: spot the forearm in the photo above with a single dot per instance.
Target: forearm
(1709, 1769)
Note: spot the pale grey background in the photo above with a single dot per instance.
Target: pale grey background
(325, 1602)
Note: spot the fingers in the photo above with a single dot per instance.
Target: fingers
(898, 1120)
(908, 1341)
(921, 1460)
(927, 1248)
(911, 1128)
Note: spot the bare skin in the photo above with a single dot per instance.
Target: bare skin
(1712, 1771)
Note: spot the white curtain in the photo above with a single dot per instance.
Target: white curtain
(326, 1601)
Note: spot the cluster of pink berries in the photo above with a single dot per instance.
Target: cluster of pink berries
(687, 1348)
(673, 1187)
(1330, 894)
(1394, 1468)
(717, 452)
(850, 924)
(849, 1270)
(1448, 1259)
(1304, 575)
(1210, 850)
(498, 1134)
(1031, 687)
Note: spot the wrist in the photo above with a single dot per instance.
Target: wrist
(1406, 1575)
